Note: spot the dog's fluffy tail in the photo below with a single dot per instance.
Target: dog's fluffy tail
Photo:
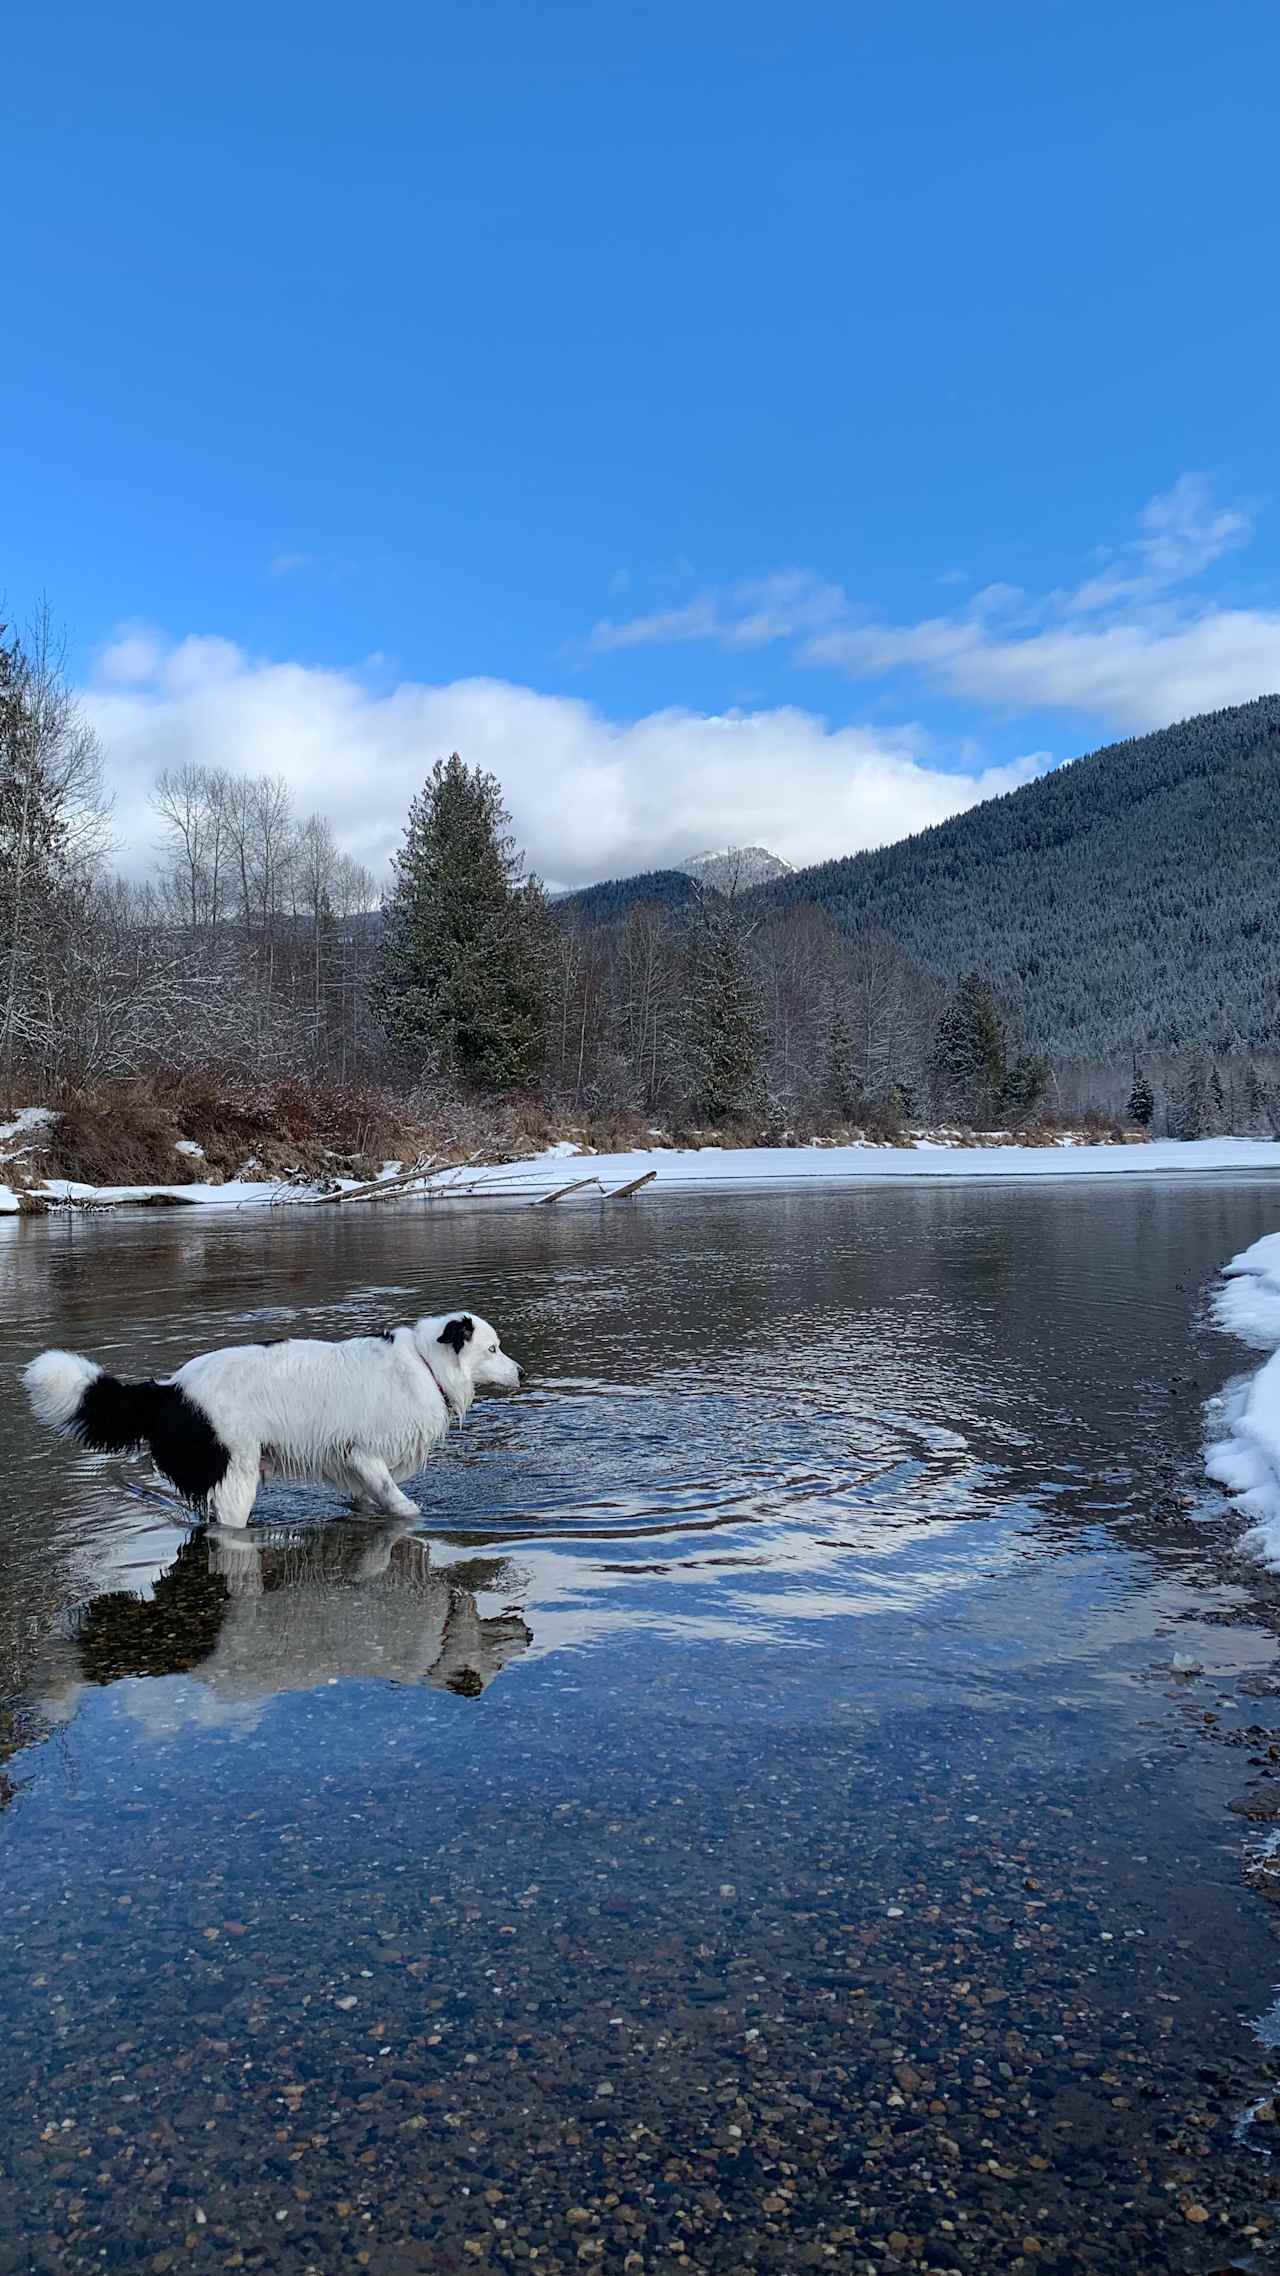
(104, 1413)
(110, 1416)
(56, 1383)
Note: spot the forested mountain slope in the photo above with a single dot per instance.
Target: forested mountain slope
(603, 904)
(1129, 899)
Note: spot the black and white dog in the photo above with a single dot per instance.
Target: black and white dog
(358, 1415)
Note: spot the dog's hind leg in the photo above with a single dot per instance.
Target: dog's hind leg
(376, 1484)
(232, 1499)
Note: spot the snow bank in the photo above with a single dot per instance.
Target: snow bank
(712, 1168)
(1244, 1455)
(236, 1193)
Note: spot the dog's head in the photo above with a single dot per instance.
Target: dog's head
(466, 1354)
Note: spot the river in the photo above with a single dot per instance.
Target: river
(753, 1820)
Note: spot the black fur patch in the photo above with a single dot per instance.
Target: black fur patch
(121, 1634)
(114, 1416)
(458, 1333)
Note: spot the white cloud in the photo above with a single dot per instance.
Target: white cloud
(134, 656)
(1138, 674)
(590, 796)
(1117, 645)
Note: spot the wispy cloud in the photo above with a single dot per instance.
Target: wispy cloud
(1130, 642)
(1182, 533)
(1135, 675)
(749, 615)
(289, 564)
(696, 620)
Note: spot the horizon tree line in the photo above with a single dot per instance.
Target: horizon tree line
(259, 944)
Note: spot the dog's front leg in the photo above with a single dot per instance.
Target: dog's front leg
(377, 1485)
(232, 1499)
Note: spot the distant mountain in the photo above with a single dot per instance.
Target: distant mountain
(603, 904)
(737, 868)
(1128, 900)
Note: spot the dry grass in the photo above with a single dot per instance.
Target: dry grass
(110, 1142)
(127, 1133)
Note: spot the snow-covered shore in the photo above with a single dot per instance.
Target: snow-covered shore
(708, 1168)
(1244, 1454)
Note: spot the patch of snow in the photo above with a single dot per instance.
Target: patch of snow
(562, 1151)
(1244, 1455)
(26, 1122)
(189, 1146)
(8, 1201)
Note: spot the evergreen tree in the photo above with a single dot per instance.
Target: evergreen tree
(1257, 1101)
(460, 985)
(1142, 1100)
(1026, 1079)
(843, 1090)
(1191, 1113)
(967, 1067)
(723, 1022)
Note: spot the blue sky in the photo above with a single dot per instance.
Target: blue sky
(730, 420)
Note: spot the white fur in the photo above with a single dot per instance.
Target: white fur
(55, 1383)
(359, 1415)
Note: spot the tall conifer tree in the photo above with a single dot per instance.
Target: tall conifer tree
(723, 1022)
(461, 984)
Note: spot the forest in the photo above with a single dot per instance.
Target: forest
(1103, 941)
(1126, 901)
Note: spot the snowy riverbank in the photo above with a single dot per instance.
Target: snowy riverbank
(1244, 1455)
(577, 1179)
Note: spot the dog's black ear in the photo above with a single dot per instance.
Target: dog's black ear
(458, 1333)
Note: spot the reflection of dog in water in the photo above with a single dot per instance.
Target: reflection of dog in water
(249, 1618)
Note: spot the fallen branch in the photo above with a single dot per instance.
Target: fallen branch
(576, 1186)
(620, 1192)
(378, 1189)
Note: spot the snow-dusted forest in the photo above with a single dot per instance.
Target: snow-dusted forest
(966, 976)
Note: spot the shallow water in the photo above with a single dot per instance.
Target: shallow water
(750, 1822)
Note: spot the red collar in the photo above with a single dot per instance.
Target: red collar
(449, 1406)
